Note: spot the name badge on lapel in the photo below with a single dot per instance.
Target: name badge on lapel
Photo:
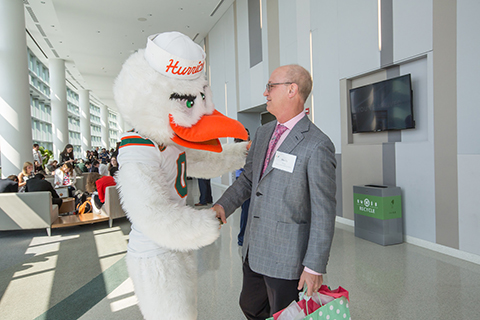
(284, 161)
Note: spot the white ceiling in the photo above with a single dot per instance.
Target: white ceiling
(95, 37)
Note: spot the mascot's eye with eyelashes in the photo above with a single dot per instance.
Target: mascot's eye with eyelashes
(188, 99)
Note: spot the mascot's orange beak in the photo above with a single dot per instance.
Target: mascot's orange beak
(205, 133)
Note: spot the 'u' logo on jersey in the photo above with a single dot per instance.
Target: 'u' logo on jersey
(181, 181)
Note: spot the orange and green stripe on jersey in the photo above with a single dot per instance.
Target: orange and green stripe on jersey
(135, 140)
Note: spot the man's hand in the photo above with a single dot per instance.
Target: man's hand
(220, 213)
(313, 282)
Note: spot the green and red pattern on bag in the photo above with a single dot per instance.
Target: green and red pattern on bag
(335, 310)
(326, 304)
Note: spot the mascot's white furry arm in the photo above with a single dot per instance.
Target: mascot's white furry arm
(199, 163)
(162, 93)
(168, 224)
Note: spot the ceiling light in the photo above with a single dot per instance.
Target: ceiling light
(142, 19)
(216, 8)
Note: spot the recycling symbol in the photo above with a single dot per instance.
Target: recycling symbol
(366, 202)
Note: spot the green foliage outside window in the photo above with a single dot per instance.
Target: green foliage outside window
(46, 155)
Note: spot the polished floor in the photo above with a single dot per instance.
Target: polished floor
(80, 273)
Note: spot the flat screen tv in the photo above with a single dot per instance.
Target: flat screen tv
(382, 106)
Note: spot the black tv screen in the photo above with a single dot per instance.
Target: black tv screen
(382, 106)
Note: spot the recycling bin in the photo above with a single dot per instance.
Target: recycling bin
(378, 214)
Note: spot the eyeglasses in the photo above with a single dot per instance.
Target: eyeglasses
(269, 86)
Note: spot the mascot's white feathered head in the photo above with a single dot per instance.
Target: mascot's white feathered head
(162, 92)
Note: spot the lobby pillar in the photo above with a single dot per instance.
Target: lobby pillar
(105, 127)
(58, 100)
(15, 114)
(85, 131)
(121, 125)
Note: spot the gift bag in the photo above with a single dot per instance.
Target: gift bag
(292, 312)
(324, 304)
(335, 310)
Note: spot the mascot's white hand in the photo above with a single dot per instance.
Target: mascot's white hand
(220, 213)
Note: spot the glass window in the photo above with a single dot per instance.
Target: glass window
(46, 76)
(30, 61)
(33, 130)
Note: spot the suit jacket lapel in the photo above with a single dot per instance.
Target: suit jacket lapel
(291, 141)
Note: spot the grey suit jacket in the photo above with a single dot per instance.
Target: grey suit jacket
(292, 215)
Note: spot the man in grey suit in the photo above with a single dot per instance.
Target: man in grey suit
(292, 210)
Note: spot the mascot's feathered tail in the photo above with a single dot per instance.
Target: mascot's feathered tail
(162, 93)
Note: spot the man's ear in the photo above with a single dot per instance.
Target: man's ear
(292, 90)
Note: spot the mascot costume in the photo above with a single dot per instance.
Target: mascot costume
(162, 93)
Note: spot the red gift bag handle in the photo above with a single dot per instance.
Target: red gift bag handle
(337, 293)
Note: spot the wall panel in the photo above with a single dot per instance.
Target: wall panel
(412, 28)
(468, 69)
(468, 117)
(469, 212)
(357, 37)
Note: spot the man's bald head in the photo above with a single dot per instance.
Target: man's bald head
(300, 76)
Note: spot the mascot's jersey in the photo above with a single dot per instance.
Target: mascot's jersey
(170, 163)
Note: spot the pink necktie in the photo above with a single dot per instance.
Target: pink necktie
(279, 130)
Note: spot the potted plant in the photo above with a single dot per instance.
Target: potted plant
(46, 155)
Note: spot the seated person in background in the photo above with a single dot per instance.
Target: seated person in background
(38, 183)
(89, 155)
(96, 184)
(113, 163)
(65, 177)
(103, 169)
(37, 167)
(95, 153)
(51, 167)
(115, 152)
(67, 156)
(112, 171)
(37, 156)
(95, 165)
(88, 165)
(27, 173)
(82, 165)
(10, 184)
(103, 156)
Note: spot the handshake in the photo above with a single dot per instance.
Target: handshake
(220, 214)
